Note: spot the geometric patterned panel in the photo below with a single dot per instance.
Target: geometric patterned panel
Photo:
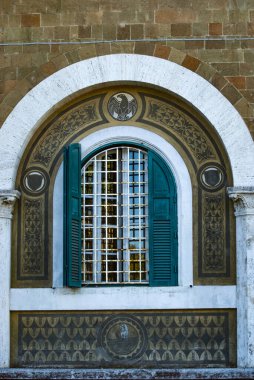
(106, 339)
(32, 260)
(214, 257)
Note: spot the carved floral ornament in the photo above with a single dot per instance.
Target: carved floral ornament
(243, 198)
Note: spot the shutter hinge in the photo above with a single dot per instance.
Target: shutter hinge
(175, 268)
(175, 235)
(174, 199)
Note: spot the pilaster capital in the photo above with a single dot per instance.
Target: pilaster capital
(243, 198)
(7, 202)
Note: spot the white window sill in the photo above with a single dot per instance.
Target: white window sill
(123, 298)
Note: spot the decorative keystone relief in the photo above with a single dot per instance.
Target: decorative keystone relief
(122, 106)
(109, 340)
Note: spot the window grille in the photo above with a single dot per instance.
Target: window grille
(114, 190)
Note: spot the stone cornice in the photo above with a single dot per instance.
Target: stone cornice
(7, 202)
(243, 198)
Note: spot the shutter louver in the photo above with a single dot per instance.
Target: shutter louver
(162, 224)
(72, 216)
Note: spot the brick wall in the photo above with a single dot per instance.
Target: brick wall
(229, 61)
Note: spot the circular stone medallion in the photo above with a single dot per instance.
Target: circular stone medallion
(212, 177)
(35, 181)
(122, 106)
(123, 337)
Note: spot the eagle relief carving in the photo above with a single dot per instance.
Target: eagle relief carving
(122, 106)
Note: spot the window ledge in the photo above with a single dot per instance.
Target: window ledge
(122, 298)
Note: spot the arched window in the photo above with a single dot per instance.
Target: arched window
(120, 218)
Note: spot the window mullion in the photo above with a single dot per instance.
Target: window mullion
(146, 226)
(119, 203)
(139, 217)
(106, 216)
(125, 215)
(97, 221)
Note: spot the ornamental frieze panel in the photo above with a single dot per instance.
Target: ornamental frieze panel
(203, 153)
(32, 259)
(181, 125)
(140, 339)
(63, 128)
(214, 259)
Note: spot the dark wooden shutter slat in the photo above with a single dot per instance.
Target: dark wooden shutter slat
(72, 216)
(162, 223)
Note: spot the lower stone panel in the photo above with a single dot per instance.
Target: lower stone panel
(143, 339)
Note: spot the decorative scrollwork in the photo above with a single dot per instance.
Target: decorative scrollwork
(61, 131)
(184, 127)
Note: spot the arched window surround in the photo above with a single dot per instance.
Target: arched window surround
(169, 154)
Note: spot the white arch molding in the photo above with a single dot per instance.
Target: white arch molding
(26, 116)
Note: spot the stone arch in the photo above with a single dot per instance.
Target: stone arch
(92, 50)
(168, 75)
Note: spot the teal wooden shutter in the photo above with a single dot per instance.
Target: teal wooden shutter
(72, 216)
(162, 223)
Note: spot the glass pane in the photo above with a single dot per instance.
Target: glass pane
(88, 201)
(89, 189)
(114, 215)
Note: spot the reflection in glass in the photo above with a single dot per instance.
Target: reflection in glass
(115, 218)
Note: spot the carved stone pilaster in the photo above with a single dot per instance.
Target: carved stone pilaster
(243, 198)
(7, 202)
